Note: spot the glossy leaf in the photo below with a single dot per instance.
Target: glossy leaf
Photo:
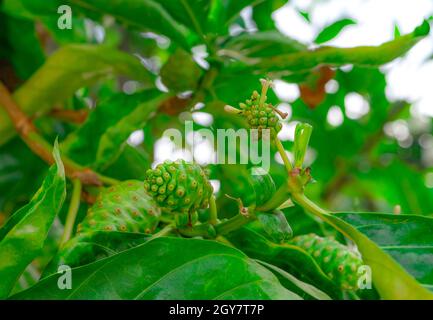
(90, 247)
(204, 270)
(332, 30)
(275, 225)
(23, 235)
(146, 14)
(305, 288)
(264, 44)
(389, 278)
(68, 69)
(406, 238)
(290, 258)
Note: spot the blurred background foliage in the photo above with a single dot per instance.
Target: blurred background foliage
(128, 70)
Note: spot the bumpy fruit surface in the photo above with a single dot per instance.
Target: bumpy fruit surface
(336, 260)
(260, 115)
(124, 207)
(179, 187)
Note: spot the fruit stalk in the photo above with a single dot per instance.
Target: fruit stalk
(72, 211)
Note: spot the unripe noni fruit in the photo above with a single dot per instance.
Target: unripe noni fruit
(339, 262)
(125, 207)
(260, 115)
(179, 187)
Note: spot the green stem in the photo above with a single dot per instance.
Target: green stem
(204, 230)
(233, 223)
(163, 232)
(277, 199)
(72, 211)
(302, 200)
(283, 155)
(107, 180)
(213, 211)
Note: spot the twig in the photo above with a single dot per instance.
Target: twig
(74, 205)
(74, 116)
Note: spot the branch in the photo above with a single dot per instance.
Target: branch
(41, 147)
(74, 116)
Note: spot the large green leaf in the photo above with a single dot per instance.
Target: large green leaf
(203, 270)
(290, 258)
(89, 247)
(21, 174)
(148, 15)
(389, 278)
(68, 69)
(20, 45)
(24, 234)
(296, 285)
(406, 238)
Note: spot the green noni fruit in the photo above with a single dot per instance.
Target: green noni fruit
(180, 188)
(123, 207)
(260, 115)
(339, 262)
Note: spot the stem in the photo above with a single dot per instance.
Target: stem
(283, 155)
(163, 232)
(277, 199)
(213, 217)
(302, 200)
(72, 212)
(233, 224)
(41, 147)
(204, 230)
(309, 205)
(107, 180)
(265, 86)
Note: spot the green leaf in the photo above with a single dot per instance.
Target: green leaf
(389, 278)
(264, 44)
(114, 139)
(68, 69)
(275, 225)
(406, 238)
(23, 48)
(332, 30)
(24, 234)
(21, 174)
(102, 138)
(222, 13)
(290, 258)
(262, 13)
(204, 270)
(360, 56)
(148, 15)
(90, 247)
(304, 287)
(180, 65)
(131, 163)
